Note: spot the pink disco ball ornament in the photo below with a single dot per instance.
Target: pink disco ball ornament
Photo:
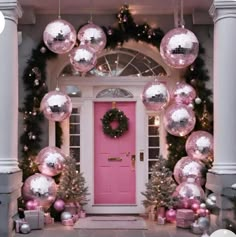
(56, 106)
(50, 161)
(199, 145)
(59, 36)
(171, 215)
(188, 191)
(31, 205)
(179, 119)
(179, 48)
(155, 95)
(195, 206)
(188, 167)
(83, 58)
(183, 93)
(40, 188)
(92, 36)
(59, 205)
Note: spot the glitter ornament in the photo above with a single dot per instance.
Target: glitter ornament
(179, 119)
(199, 145)
(189, 167)
(56, 106)
(50, 161)
(183, 93)
(59, 205)
(59, 36)
(40, 188)
(155, 95)
(198, 101)
(83, 58)
(179, 48)
(171, 215)
(92, 36)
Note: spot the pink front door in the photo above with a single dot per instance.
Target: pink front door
(114, 178)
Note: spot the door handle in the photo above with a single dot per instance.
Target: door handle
(133, 159)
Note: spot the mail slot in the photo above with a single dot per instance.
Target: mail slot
(114, 159)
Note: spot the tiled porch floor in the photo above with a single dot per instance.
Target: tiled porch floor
(154, 230)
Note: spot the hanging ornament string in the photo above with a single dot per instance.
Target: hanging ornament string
(178, 13)
(59, 9)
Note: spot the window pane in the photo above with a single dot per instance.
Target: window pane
(154, 130)
(74, 118)
(153, 153)
(74, 140)
(75, 152)
(153, 141)
(151, 163)
(74, 129)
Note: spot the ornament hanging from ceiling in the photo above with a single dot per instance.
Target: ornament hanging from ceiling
(199, 145)
(59, 36)
(179, 120)
(155, 95)
(183, 93)
(83, 58)
(179, 48)
(92, 36)
(56, 106)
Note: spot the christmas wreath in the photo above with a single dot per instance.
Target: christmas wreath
(114, 115)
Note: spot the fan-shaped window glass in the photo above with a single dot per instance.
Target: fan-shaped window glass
(120, 62)
(73, 91)
(114, 93)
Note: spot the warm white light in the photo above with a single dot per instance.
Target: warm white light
(157, 121)
(2, 22)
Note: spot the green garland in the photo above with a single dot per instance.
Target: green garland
(111, 116)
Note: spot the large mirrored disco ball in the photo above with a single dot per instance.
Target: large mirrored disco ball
(188, 192)
(188, 167)
(56, 106)
(83, 58)
(183, 93)
(199, 145)
(92, 36)
(40, 188)
(179, 47)
(50, 161)
(59, 36)
(179, 119)
(155, 95)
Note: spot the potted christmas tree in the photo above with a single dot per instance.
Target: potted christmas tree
(159, 189)
(72, 189)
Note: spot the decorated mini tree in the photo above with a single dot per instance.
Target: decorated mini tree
(160, 187)
(72, 187)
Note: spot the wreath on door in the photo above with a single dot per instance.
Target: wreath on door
(111, 116)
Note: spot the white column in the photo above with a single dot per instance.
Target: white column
(9, 88)
(224, 16)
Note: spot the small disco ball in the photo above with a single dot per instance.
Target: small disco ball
(66, 215)
(179, 48)
(189, 167)
(199, 145)
(183, 93)
(155, 95)
(92, 36)
(59, 36)
(179, 120)
(25, 228)
(40, 188)
(56, 106)
(83, 58)
(50, 161)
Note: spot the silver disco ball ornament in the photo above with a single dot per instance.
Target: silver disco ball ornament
(25, 228)
(179, 48)
(155, 95)
(59, 36)
(56, 106)
(66, 215)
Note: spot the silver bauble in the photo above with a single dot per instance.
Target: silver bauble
(66, 215)
(25, 228)
(204, 223)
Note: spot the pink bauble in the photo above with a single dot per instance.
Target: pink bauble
(199, 145)
(31, 205)
(188, 167)
(50, 161)
(195, 206)
(202, 212)
(83, 58)
(92, 36)
(59, 205)
(179, 119)
(155, 95)
(171, 215)
(188, 191)
(183, 93)
(59, 36)
(39, 188)
(179, 48)
(56, 106)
